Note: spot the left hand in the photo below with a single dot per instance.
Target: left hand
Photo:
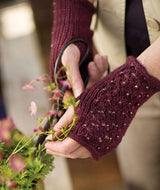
(69, 148)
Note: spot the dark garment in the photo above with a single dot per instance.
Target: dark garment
(2, 106)
(136, 33)
(2, 109)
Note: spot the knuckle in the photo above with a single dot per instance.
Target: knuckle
(73, 156)
(65, 150)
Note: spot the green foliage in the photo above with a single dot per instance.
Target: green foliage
(38, 165)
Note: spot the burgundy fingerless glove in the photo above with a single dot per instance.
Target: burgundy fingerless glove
(72, 20)
(108, 107)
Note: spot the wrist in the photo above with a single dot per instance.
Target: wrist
(150, 59)
(152, 66)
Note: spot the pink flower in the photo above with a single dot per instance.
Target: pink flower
(29, 86)
(43, 79)
(44, 88)
(6, 126)
(1, 181)
(52, 98)
(65, 83)
(5, 135)
(52, 112)
(57, 93)
(39, 128)
(7, 122)
(11, 184)
(37, 79)
(17, 163)
(33, 108)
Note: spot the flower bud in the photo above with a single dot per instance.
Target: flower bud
(1, 180)
(11, 184)
(17, 163)
(5, 135)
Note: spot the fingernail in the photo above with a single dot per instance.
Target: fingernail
(49, 137)
(97, 56)
(77, 92)
(105, 57)
(92, 65)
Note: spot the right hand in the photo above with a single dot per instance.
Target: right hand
(97, 69)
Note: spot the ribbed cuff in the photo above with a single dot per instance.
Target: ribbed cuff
(72, 20)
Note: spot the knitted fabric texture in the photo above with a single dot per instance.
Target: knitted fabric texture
(107, 108)
(72, 20)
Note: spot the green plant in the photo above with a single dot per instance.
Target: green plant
(22, 164)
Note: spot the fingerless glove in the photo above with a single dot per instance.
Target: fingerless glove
(107, 108)
(72, 20)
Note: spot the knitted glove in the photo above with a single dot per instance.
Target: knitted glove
(71, 20)
(108, 107)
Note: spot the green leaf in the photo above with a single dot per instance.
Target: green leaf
(76, 104)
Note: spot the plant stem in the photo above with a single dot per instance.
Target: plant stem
(15, 151)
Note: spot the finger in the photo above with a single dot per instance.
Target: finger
(101, 62)
(97, 69)
(65, 147)
(93, 71)
(94, 74)
(67, 94)
(66, 119)
(102, 65)
(76, 79)
(79, 153)
(71, 57)
(56, 154)
(106, 63)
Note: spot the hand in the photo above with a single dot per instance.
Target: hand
(107, 108)
(70, 148)
(97, 69)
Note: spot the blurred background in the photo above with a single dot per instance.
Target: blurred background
(25, 35)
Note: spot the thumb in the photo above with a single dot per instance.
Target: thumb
(71, 58)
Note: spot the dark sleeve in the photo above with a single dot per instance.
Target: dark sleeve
(71, 19)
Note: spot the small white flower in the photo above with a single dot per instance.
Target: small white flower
(33, 108)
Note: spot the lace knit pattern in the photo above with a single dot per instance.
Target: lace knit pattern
(107, 108)
(72, 20)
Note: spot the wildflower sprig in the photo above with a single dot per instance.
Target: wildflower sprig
(20, 167)
(57, 101)
(22, 162)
